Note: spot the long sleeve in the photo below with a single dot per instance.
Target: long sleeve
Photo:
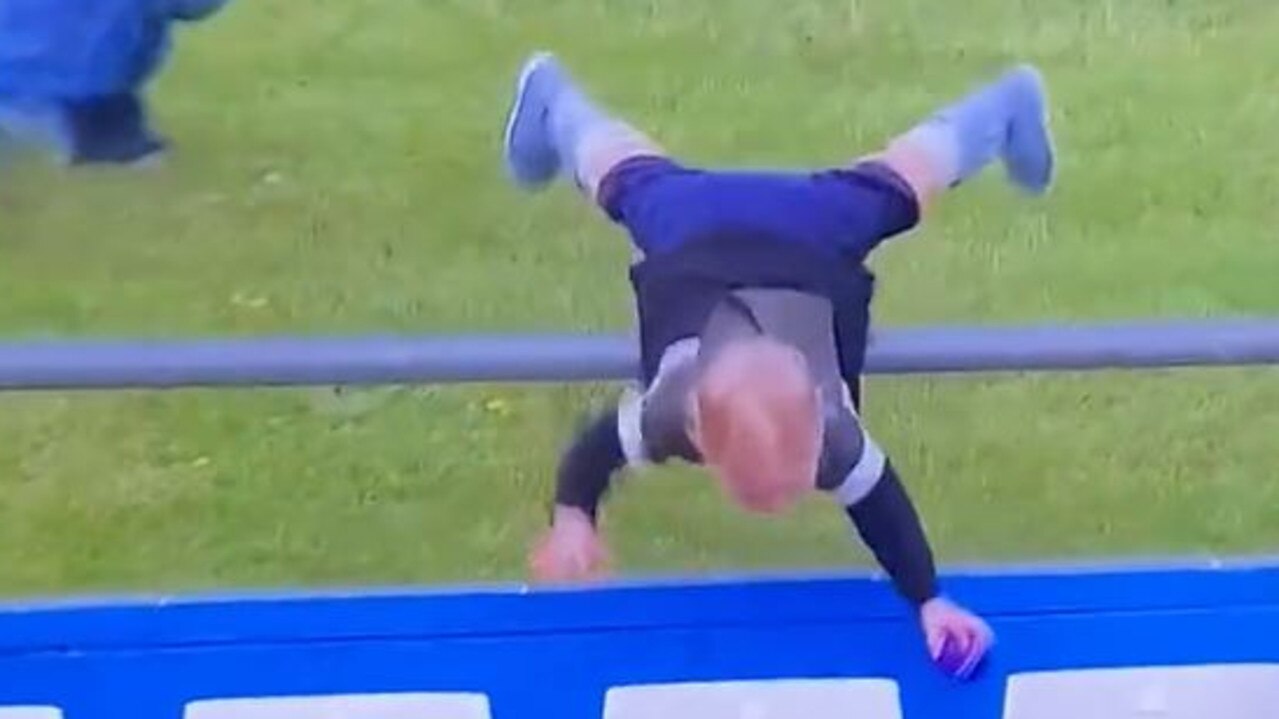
(587, 467)
(888, 523)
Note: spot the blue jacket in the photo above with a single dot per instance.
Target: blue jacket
(63, 49)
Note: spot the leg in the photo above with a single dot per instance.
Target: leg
(111, 129)
(1004, 119)
(554, 126)
(885, 194)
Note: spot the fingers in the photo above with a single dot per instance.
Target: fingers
(985, 637)
(958, 641)
(973, 658)
(541, 565)
(978, 638)
(600, 561)
(556, 559)
(935, 635)
(967, 635)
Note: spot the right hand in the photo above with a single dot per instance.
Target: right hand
(571, 550)
(945, 622)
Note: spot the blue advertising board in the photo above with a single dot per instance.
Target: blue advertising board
(1104, 642)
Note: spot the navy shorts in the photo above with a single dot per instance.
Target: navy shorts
(847, 211)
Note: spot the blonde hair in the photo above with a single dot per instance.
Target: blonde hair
(758, 421)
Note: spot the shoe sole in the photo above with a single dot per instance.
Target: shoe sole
(517, 105)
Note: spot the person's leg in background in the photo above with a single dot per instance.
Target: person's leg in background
(73, 75)
(106, 129)
(112, 129)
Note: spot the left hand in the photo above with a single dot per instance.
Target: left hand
(570, 551)
(969, 637)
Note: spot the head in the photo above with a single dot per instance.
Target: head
(757, 422)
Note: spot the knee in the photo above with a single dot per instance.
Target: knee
(622, 188)
(879, 202)
(917, 168)
(603, 152)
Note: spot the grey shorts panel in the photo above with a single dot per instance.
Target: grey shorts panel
(664, 417)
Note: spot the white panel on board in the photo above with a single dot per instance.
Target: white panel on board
(30, 713)
(429, 705)
(1216, 691)
(765, 699)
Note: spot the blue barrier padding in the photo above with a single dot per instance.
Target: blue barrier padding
(359, 360)
(557, 653)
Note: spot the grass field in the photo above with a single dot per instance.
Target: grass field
(337, 170)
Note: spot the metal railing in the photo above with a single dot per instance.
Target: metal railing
(409, 359)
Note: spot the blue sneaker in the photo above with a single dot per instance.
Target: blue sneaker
(1002, 120)
(1029, 154)
(532, 159)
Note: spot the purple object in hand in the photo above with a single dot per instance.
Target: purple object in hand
(957, 662)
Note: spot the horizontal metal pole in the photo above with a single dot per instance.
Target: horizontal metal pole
(363, 360)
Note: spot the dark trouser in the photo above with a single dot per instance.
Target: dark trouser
(110, 129)
(846, 212)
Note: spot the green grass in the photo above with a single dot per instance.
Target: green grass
(337, 170)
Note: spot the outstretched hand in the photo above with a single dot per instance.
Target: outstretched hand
(571, 550)
(957, 639)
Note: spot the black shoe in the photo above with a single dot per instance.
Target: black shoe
(111, 129)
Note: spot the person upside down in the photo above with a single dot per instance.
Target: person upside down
(753, 302)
